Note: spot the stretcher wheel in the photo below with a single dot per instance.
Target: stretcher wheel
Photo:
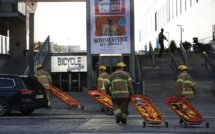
(68, 107)
(166, 123)
(111, 112)
(184, 124)
(207, 124)
(82, 107)
(144, 124)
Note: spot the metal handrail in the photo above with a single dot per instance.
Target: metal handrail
(140, 67)
(151, 54)
(141, 76)
(183, 54)
(41, 56)
(174, 66)
(209, 66)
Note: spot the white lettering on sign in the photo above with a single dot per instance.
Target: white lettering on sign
(69, 63)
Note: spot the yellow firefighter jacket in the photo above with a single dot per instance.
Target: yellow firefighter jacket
(185, 86)
(102, 80)
(44, 78)
(121, 84)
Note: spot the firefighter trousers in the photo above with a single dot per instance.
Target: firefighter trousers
(120, 106)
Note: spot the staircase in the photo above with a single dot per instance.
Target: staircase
(15, 65)
(161, 82)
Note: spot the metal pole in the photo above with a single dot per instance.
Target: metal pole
(89, 56)
(181, 34)
(132, 56)
(31, 44)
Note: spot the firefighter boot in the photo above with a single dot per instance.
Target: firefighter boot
(118, 118)
(181, 120)
(123, 120)
(49, 105)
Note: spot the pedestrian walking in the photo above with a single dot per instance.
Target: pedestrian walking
(44, 77)
(161, 37)
(102, 80)
(121, 84)
(186, 87)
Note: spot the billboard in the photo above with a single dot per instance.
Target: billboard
(110, 26)
(69, 64)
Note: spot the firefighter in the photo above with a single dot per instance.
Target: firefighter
(121, 86)
(186, 87)
(44, 77)
(102, 79)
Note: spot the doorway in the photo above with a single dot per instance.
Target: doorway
(110, 61)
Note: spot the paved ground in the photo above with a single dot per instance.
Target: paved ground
(59, 119)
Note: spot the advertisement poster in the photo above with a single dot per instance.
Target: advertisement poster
(69, 64)
(110, 26)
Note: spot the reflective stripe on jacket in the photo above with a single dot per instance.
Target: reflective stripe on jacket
(44, 78)
(121, 84)
(102, 80)
(185, 86)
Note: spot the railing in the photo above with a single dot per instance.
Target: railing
(183, 54)
(151, 53)
(4, 45)
(210, 66)
(174, 66)
(140, 74)
(42, 55)
(212, 48)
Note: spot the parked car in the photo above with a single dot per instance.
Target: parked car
(21, 93)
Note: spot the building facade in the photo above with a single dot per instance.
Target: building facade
(181, 19)
(14, 22)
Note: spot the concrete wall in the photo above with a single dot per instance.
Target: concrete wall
(19, 32)
(196, 18)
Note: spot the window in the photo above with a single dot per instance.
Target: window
(32, 83)
(180, 6)
(156, 21)
(197, 1)
(185, 5)
(190, 3)
(6, 83)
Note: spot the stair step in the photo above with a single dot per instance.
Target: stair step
(161, 82)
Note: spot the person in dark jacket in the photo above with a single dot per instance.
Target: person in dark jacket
(161, 37)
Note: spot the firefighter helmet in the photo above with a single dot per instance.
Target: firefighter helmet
(121, 64)
(39, 66)
(102, 67)
(182, 67)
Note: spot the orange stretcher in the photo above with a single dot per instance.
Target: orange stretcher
(148, 110)
(185, 111)
(69, 101)
(102, 98)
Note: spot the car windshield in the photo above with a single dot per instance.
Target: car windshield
(32, 83)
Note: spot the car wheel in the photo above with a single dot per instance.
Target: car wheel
(4, 107)
(27, 111)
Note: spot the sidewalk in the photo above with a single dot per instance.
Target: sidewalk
(91, 120)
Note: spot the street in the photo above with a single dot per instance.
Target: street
(60, 120)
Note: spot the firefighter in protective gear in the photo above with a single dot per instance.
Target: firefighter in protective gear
(122, 88)
(102, 80)
(44, 77)
(185, 85)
